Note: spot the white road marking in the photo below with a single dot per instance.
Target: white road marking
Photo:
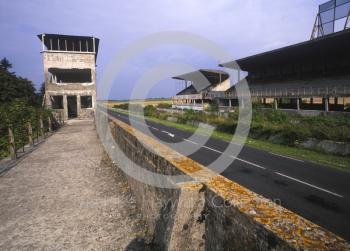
(248, 162)
(212, 149)
(190, 141)
(310, 185)
(287, 157)
(154, 128)
(170, 134)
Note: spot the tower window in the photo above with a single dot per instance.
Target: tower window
(86, 101)
(70, 75)
(56, 102)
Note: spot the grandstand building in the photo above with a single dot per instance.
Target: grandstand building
(313, 75)
(199, 87)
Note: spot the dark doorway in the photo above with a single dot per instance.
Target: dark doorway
(72, 106)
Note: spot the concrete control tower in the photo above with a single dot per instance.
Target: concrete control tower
(70, 74)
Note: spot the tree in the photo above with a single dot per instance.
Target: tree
(5, 64)
(14, 87)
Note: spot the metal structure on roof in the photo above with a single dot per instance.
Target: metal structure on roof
(69, 43)
(332, 16)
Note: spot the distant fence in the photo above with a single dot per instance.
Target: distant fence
(15, 137)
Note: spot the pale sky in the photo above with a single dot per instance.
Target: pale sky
(241, 27)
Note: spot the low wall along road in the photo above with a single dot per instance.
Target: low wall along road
(214, 213)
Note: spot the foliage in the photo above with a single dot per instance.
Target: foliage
(16, 115)
(5, 64)
(213, 107)
(150, 111)
(164, 106)
(124, 106)
(13, 87)
(19, 104)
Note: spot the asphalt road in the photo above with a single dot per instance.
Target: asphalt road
(318, 193)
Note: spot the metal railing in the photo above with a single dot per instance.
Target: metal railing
(333, 91)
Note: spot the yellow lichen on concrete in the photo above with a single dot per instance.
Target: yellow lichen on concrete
(285, 224)
(186, 165)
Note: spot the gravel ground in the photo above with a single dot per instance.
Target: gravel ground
(66, 195)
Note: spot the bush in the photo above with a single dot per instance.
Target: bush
(164, 106)
(124, 106)
(292, 135)
(277, 116)
(213, 107)
(16, 115)
(150, 111)
(226, 128)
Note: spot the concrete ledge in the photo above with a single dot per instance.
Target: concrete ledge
(232, 217)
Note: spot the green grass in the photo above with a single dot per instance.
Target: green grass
(329, 160)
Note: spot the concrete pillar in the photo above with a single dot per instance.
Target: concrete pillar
(298, 104)
(276, 104)
(230, 103)
(194, 101)
(190, 208)
(50, 126)
(326, 104)
(47, 100)
(78, 106)
(41, 123)
(30, 133)
(65, 108)
(12, 144)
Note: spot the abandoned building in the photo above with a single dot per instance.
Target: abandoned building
(70, 74)
(197, 88)
(312, 75)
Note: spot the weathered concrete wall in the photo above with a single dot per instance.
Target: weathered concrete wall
(328, 146)
(212, 213)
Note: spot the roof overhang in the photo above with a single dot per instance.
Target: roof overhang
(68, 37)
(204, 78)
(331, 46)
